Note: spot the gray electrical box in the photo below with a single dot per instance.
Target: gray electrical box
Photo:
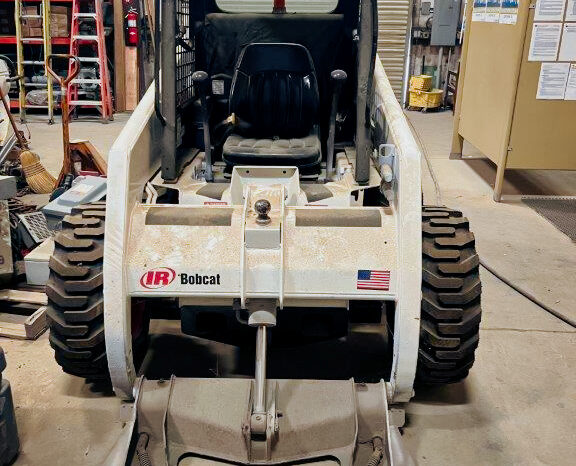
(425, 8)
(85, 189)
(445, 22)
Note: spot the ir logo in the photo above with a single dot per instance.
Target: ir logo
(157, 278)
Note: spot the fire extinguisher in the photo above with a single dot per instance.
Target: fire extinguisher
(132, 27)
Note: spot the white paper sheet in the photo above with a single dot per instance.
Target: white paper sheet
(552, 82)
(545, 41)
(549, 10)
(492, 11)
(568, 46)
(509, 11)
(571, 10)
(571, 85)
(479, 11)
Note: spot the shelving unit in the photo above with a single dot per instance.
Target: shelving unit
(8, 43)
(44, 45)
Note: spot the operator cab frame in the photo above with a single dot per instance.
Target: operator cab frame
(298, 107)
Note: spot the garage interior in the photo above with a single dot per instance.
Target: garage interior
(517, 406)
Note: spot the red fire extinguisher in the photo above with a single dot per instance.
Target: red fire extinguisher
(132, 27)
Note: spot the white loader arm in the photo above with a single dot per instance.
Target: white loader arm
(408, 200)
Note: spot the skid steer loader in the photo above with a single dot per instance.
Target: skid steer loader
(267, 184)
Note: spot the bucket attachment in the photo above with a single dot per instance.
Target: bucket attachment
(188, 422)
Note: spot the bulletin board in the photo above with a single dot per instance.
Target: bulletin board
(517, 87)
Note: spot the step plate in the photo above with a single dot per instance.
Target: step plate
(321, 420)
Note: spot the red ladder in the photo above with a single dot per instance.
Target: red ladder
(90, 11)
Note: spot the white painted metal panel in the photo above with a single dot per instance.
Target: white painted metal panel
(133, 159)
(409, 211)
(321, 262)
(393, 31)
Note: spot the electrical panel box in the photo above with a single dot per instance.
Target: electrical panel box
(425, 8)
(445, 22)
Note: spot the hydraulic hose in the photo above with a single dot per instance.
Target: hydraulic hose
(528, 295)
(564, 318)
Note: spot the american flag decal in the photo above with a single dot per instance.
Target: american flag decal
(373, 280)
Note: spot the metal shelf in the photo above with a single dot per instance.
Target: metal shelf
(11, 40)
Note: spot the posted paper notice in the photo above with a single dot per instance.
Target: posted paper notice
(549, 10)
(545, 41)
(552, 82)
(571, 11)
(571, 85)
(479, 11)
(568, 46)
(509, 11)
(492, 11)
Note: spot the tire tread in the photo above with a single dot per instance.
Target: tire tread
(451, 294)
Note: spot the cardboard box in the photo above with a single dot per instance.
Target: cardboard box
(34, 32)
(59, 10)
(58, 30)
(28, 32)
(31, 22)
(59, 24)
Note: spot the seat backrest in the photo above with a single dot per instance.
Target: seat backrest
(275, 91)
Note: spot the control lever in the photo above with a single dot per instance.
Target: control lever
(201, 82)
(338, 78)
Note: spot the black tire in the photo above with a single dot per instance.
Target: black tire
(75, 297)
(451, 290)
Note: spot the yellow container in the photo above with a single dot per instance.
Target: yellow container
(421, 83)
(425, 99)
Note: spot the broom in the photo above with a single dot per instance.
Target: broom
(37, 177)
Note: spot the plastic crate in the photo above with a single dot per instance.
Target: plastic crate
(421, 83)
(425, 99)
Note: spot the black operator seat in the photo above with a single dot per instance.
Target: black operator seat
(275, 100)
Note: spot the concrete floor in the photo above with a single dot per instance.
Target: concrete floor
(518, 407)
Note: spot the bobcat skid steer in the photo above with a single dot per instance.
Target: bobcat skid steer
(269, 185)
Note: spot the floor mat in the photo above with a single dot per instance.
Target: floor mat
(560, 212)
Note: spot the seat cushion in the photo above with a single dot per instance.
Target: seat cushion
(274, 91)
(299, 152)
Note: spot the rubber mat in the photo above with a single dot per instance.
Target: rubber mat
(560, 212)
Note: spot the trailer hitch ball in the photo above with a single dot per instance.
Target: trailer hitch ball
(262, 208)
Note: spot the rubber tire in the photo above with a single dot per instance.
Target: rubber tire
(74, 289)
(75, 296)
(451, 294)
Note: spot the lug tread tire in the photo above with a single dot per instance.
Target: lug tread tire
(74, 290)
(451, 293)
